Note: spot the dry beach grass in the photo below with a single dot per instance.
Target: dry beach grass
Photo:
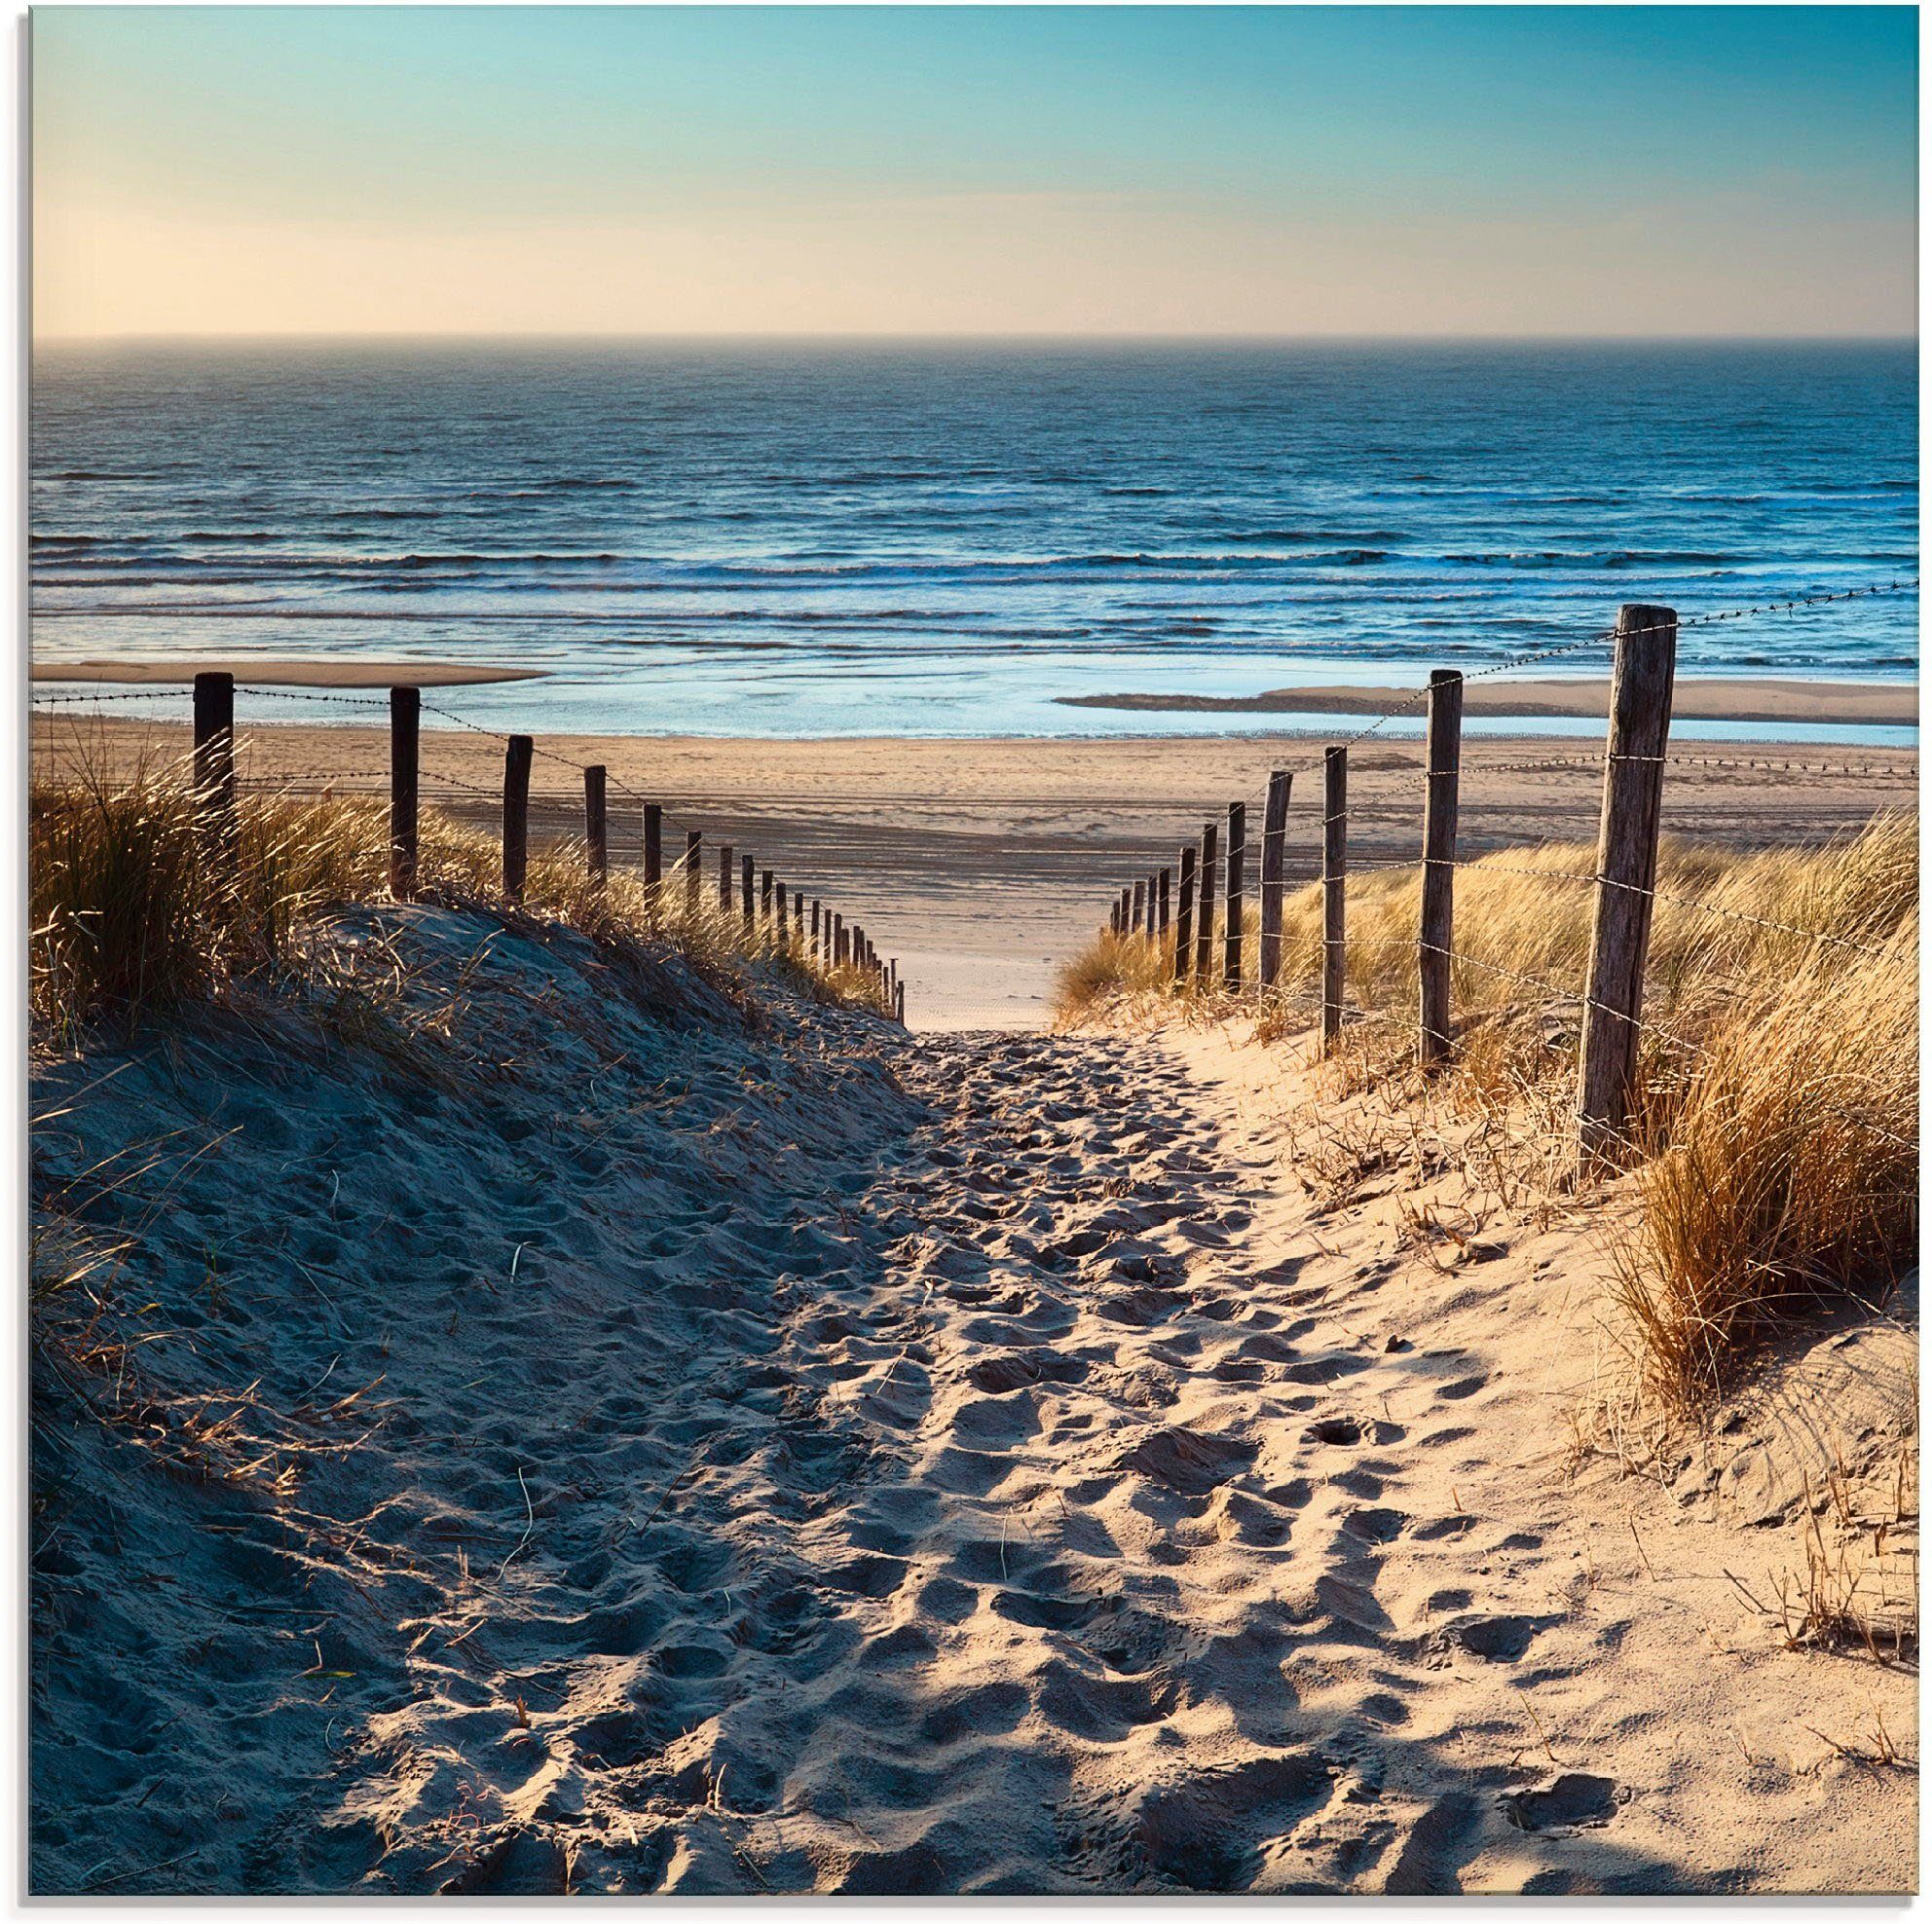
(1777, 1114)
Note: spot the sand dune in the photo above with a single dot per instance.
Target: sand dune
(615, 1445)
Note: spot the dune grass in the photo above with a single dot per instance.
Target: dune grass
(129, 917)
(1775, 1127)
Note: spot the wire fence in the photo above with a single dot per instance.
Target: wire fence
(771, 905)
(1631, 765)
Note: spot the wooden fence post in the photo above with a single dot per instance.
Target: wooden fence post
(1236, 891)
(898, 1003)
(1138, 912)
(214, 773)
(1274, 861)
(726, 867)
(1204, 907)
(1437, 937)
(516, 815)
(784, 920)
(1334, 892)
(1640, 697)
(654, 850)
(1149, 925)
(747, 869)
(693, 863)
(1167, 890)
(1184, 915)
(841, 942)
(596, 835)
(815, 935)
(765, 881)
(405, 768)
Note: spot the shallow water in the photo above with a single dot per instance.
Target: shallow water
(940, 539)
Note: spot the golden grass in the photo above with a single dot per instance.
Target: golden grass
(1789, 1172)
(129, 917)
(1776, 1114)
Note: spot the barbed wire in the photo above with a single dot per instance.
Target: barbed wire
(1757, 764)
(1607, 638)
(131, 695)
(311, 694)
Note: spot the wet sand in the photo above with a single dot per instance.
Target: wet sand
(980, 864)
(1754, 698)
(306, 673)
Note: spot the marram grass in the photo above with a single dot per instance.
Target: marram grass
(1776, 1122)
(129, 919)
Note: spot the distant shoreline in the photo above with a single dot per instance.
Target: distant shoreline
(1754, 698)
(266, 673)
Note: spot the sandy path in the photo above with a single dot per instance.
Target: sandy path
(828, 1460)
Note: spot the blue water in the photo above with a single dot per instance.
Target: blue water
(940, 539)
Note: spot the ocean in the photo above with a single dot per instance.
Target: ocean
(941, 539)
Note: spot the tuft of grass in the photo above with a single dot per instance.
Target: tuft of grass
(129, 917)
(1787, 1174)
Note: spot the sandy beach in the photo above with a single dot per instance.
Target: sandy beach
(982, 864)
(304, 671)
(1697, 698)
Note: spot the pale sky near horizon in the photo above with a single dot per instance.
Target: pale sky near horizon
(974, 170)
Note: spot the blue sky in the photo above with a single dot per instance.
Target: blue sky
(1517, 169)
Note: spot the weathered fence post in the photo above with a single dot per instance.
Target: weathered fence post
(405, 768)
(1334, 891)
(596, 833)
(1184, 915)
(654, 850)
(1150, 927)
(1204, 890)
(898, 1003)
(747, 869)
(1236, 891)
(726, 867)
(1167, 890)
(1437, 937)
(1273, 854)
(1640, 695)
(516, 815)
(1139, 910)
(215, 772)
(842, 942)
(784, 920)
(694, 862)
(765, 881)
(815, 935)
